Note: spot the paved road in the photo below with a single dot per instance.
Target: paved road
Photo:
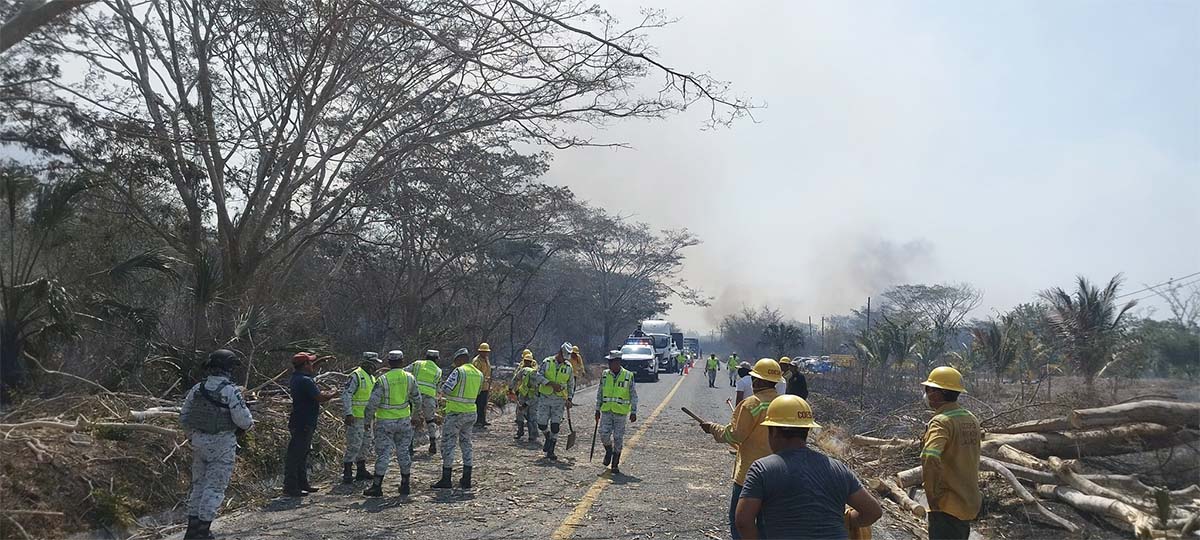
(676, 485)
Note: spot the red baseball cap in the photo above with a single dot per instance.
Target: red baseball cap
(302, 358)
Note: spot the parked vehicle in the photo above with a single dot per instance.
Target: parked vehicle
(640, 359)
(660, 331)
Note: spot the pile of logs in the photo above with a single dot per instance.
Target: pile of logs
(1043, 454)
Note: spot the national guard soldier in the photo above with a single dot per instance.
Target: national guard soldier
(523, 387)
(213, 413)
(391, 405)
(556, 388)
(354, 402)
(461, 388)
(428, 376)
(615, 400)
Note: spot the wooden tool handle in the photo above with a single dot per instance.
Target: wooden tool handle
(692, 414)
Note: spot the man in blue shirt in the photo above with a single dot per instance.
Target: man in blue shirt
(302, 423)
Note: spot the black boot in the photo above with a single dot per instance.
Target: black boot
(405, 487)
(363, 474)
(550, 455)
(465, 482)
(546, 443)
(520, 432)
(445, 482)
(347, 473)
(193, 524)
(203, 531)
(376, 489)
(432, 446)
(616, 463)
(608, 454)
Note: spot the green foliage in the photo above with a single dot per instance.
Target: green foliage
(1087, 324)
(114, 509)
(782, 338)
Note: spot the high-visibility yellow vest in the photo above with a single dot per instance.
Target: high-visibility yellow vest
(394, 405)
(466, 389)
(556, 373)
(615, 392)
(524, 384)
(712, 364)
(362, 393)
(426, 372)
(732, 364)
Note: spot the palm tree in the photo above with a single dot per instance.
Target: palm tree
(1087, 324)
(995, 343)
(35, 301)
(782, 337)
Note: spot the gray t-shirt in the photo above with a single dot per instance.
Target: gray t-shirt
(803, 494)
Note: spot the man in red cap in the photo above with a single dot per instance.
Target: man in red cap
(306, 407)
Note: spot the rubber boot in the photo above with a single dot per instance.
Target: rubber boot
(445, 482)
(616, 463)
(608, 455)
(347, 473)
(520, 432)
(405, 486)
(376, 489)
(363, 473)
(432, 446)
(550, 455)
(546, 444)
(203, 530)
(465, 481)
(193, 524)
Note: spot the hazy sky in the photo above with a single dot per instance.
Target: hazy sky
(1011, 145)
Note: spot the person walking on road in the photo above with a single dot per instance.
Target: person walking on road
(461, 388)
(428, 376)
(391, 406)
(745, 433)
(797, 384)
(484, 365)
(797, 493)
(354, 401)
(615, 400)
(556, 389)
(710, 369)
(212, 415)
(950, 458)
(731, 366)
(526, 392)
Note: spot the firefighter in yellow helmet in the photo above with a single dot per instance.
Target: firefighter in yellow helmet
(796, 476)
(526, 392)
(950, 457)
(484, 365)
(745, 433)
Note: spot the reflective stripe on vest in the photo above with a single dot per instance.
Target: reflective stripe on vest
(394, 405)
(362, 393)
(427, 377)
(466, 389)
(524, 387)
(615, 393)
(556, 373)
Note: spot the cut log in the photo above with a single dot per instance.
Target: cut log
(1103, 442)
(889, 489)
(84, 424)
(1007, 453)
(1139, 522)
(1029, 475)
(862, 440)
(1063, 469)
(1000, 468)
(1035, 426)
(1167, 413)
(155, 412)
(909, 478)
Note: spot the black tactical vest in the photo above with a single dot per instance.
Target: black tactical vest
(209, 414)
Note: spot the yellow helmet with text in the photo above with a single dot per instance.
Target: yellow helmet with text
(791, 412)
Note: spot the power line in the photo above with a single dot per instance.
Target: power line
(1152, 295)
(1150, 288)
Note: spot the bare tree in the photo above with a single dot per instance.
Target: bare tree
(940, 311)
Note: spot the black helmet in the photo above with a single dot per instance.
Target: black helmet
(223, 360)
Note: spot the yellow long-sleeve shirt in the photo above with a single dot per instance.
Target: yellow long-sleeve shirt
(950, 462)
(746, 432)
(484, 367)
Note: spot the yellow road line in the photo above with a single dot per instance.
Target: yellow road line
(575, 519)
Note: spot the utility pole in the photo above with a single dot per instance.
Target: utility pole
(822, 335)
(810, 330)
(862, 376)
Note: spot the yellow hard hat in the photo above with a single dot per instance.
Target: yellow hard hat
(767, 370)
(946, 378)
(785, 360)
(790, 411)
(575, 349)
(526, 353)
(527, 361)
(484, 347)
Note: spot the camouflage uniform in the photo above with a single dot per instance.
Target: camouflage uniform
(457, 428)
(356, 433)
(392, 436)
(427, 432)
(213, 453)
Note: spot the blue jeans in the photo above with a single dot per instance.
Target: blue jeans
(733, 532)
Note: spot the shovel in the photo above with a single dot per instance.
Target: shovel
(571, 429)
